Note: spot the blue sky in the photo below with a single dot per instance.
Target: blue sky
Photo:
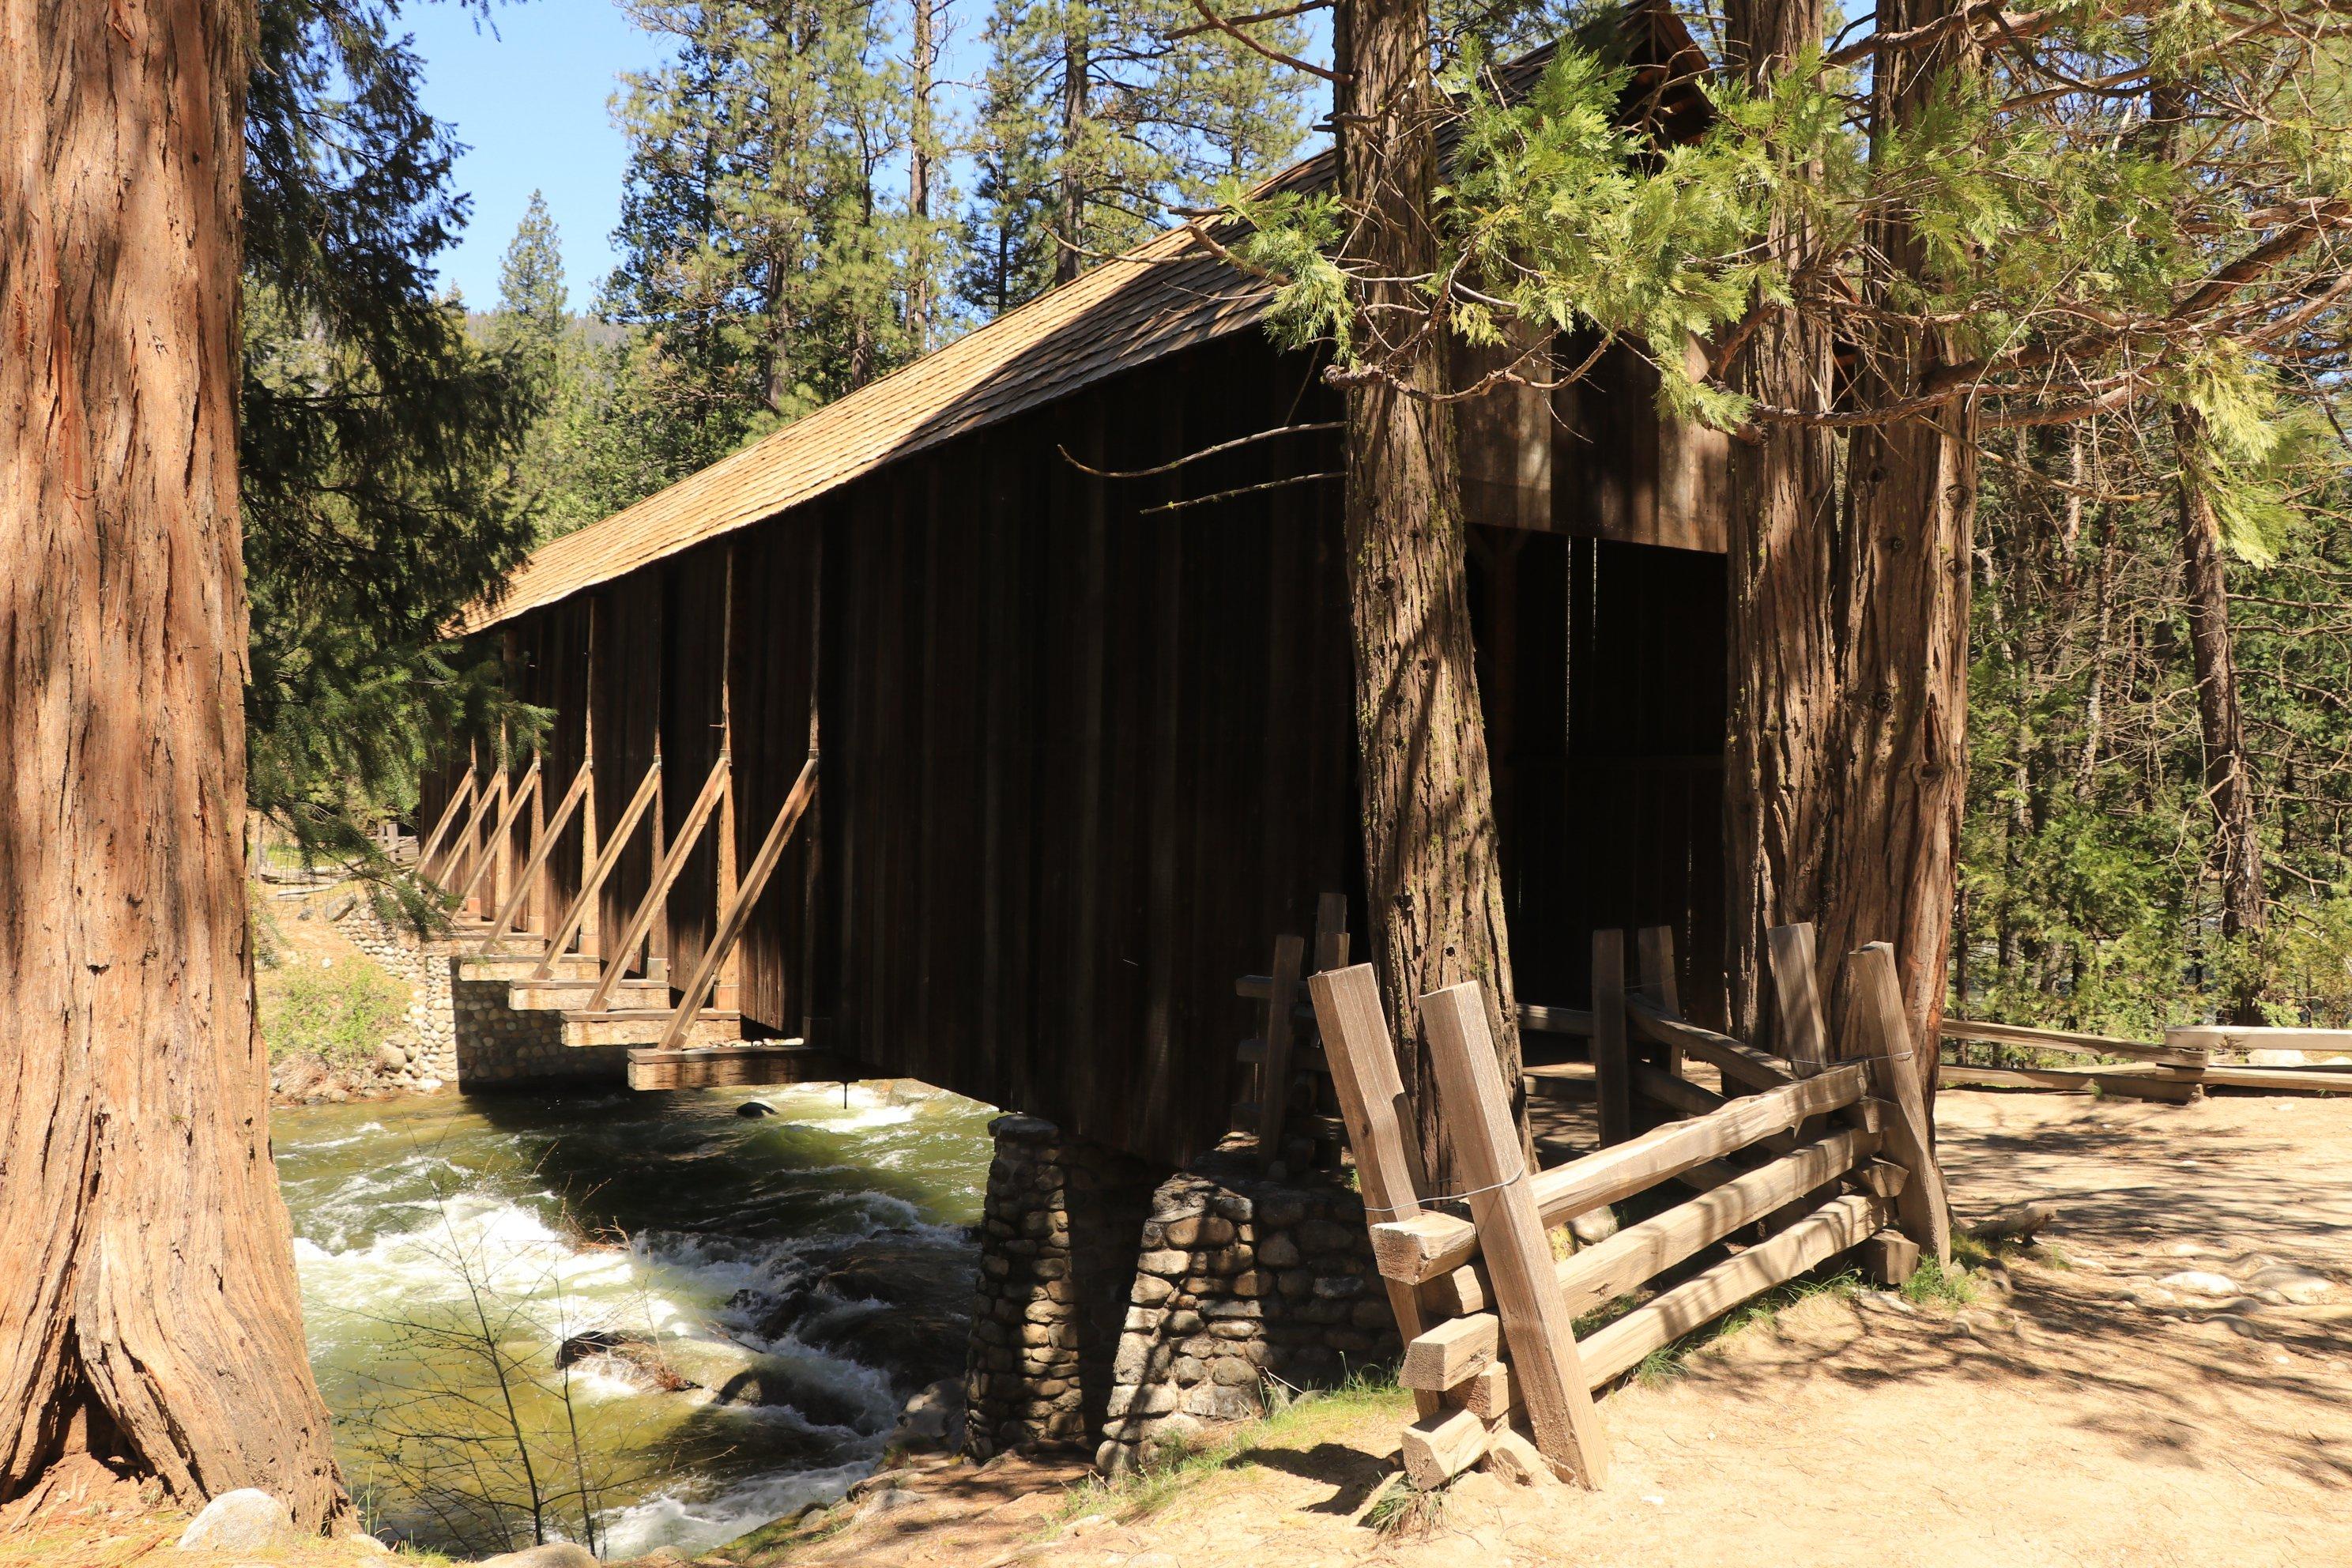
(531, 103)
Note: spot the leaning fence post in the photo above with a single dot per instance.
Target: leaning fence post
(1500, 1189)
(1612, 1072)
(1370, 1092)
(1875, 996)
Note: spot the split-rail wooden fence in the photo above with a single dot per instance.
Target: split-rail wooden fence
(2180, 1068)
(1808, 1156)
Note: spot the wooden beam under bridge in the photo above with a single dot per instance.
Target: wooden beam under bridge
(752, 1063)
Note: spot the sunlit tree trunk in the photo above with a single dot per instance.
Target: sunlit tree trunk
(148, 1311)
(1431, 873)
(2229, 770)
(1785, 616)
(1894, 822)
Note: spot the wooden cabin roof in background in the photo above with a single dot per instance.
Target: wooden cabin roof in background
(1160, 297)
(1164, 295)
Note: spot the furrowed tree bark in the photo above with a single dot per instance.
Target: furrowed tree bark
(2229, 771)
(149, 1315)
(1895, 818)
(1785, 630)
(1433, 881)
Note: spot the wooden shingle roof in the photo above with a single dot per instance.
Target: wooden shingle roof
(1162, 296)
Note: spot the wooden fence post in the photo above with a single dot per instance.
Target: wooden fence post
(1372, 1102)
(1875, 996)
(1613, 1073)
(1273, 1067)
(1796, 988)
(1331, 931)
(1654, 949)
(1537, 1326)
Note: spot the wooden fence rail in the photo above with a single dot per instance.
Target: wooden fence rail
(2179, 1069)
(1824, 1156)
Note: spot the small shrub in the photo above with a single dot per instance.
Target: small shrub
(1400, 1510)
(337, 1014)
(1931, 1282)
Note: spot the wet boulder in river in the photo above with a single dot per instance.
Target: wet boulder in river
(755, 1108)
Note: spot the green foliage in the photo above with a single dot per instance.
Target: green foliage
(760, 255)
(339, 1014)
(2088, 899)
(1096, 116)
(376, 439)
(2062, 240)
(1932, 1282)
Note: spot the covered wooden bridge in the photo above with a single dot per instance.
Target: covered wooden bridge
(907, 742)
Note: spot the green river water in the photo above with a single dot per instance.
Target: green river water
(758, 1297)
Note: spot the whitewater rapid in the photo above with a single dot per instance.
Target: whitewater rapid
(756, 1284)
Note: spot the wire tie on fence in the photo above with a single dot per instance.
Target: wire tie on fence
(1453, 1197)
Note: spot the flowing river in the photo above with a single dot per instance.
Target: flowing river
(648, 1318)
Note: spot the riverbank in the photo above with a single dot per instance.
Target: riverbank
(340, 1025)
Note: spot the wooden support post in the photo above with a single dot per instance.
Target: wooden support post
(495, 847)
(1331, 931)
(1796, 988)
(606, 861)
(1364, 1076)
(1437, 1358)
(1274, 1070)
(1501, 1193)
(458, 798)
(1889, 1258)
(461, 848)
(1655, 954)
(541, 847)
(1876, 999)
(738, 912)
(672, 863)
(1440, 1447)
(1613, 1076)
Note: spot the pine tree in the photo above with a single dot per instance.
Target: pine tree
(761, 260)
(1097, 118)
(376, 440)
(533, 316)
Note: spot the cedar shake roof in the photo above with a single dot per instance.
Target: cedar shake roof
(1164, 295)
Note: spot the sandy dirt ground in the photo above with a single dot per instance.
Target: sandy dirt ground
(2167, 1381)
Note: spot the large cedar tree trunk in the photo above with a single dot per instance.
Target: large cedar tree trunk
(2229, 774)
(1433, 881)
(1901, 746)
(149, 1314)
(1785, 634)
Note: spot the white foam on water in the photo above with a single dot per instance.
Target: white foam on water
(677, 1518)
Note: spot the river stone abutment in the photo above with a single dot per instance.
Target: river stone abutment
(469, 1030)
(1124, 1308)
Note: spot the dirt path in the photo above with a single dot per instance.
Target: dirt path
(2170, 1383)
